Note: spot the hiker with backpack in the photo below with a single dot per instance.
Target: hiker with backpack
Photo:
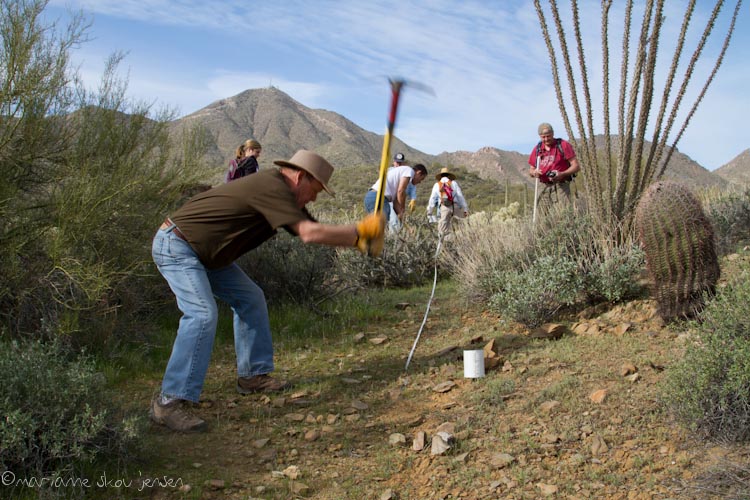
(446, 194)
(554, 164)
(245, 160)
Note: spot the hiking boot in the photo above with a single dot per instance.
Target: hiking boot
(261, 383)
(174, 416)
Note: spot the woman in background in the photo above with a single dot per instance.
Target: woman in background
(245, 161)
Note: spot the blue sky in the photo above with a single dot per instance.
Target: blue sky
(485, 60)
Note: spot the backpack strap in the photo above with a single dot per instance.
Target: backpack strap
(558, 141)
(446, 190)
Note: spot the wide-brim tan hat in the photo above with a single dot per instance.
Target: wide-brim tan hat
(445, 172)
(313, 164)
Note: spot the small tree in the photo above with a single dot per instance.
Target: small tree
(118, 182)
(36, 93)
(85, 179)
(614, 180)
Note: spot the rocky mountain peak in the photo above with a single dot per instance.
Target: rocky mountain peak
(283, 125)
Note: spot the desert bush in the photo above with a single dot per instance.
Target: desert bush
(730, 217)
(118, 185)
(533, 282)
(708, 390)
(512, 211)
(85, 179)
(726, 479)
(288, 270)
(488, 249)
(529, 272)
(533, 295)
(57, 414)
(610, 271)
(36, 94)
(408, 259)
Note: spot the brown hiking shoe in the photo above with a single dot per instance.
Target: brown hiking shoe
(175, 417)
(261, 383)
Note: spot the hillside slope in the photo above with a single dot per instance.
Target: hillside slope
(283, 125)
(737, 171)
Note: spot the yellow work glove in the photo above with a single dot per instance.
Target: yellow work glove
(412, 205)
(371, 234)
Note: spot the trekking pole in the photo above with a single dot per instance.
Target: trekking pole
(536, 190)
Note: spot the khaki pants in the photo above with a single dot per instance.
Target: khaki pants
(552, 194)
(446, 218)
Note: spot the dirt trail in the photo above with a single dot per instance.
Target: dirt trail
(529, 429)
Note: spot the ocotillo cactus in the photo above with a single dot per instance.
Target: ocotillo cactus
(678, 240)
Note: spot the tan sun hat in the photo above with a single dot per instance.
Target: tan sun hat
(445, 172)
(313, 164)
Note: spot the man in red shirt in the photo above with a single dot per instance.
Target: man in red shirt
(553, 162)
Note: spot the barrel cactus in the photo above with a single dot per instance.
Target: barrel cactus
(678, 241)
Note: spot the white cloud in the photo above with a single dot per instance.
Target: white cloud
(486, 61)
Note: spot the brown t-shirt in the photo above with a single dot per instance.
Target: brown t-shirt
(229, 220)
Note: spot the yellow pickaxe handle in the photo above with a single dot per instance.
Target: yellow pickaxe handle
(384, 159)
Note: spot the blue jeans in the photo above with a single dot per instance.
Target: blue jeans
(395, 223)
(194, 286)
(370, 199)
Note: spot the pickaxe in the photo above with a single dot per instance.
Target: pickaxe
(396, 86)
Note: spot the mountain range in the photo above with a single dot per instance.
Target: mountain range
(283, 125)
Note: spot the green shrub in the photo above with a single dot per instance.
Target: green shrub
(36, 97)
(490, 247)
(288, 270)
(56, 412)
(117, 186)
(511, 264)
(709, 389)
(408, 259)
(85, 180)
(612, 276)
(730, 217)
(533, 295)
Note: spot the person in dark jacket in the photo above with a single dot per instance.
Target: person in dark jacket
(245, 161)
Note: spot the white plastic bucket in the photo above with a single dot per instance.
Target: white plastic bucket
(474, 363)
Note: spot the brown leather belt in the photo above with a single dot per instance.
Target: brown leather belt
(167, 224)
